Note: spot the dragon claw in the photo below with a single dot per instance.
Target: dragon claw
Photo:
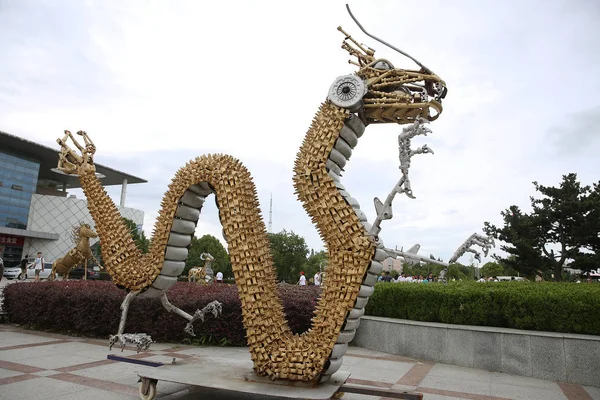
(484, 242)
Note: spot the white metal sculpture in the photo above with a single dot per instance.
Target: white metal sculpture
(140, 340)
(384, 210)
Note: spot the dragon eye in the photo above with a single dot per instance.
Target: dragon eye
(383, 65)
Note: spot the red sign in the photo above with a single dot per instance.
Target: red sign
(10, 240)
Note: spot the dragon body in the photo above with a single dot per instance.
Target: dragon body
(377, 93)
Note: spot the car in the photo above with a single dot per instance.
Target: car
(92, 273)
(43, 274)
(510, 278)
(12, 272)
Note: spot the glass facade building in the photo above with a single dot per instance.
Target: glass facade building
(18, 181)
(36, 211)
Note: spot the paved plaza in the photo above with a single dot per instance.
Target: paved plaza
(41, 365)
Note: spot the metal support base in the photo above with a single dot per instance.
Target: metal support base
(235, 375)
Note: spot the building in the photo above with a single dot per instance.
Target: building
(36, 211)
(390, 264)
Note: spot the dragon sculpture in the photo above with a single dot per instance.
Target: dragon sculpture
(376, 93)
(81, 236)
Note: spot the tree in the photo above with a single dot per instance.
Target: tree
(317, 261)
(289, 253)
(492, 268)
(460, 272)
(563, 225)
(139, 237)
(212, 245)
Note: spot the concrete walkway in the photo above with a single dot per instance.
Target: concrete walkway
(39, 365)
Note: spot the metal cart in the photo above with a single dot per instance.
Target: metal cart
(235, 375)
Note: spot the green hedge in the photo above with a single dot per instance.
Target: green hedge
(545, 306)
(92, 308)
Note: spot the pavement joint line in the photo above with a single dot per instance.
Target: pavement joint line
(415, 375)
(394, 358)
(176, 355)
(18, 378)
(24, 368)
(96, 383)
(573, 391)
(23, 346)
(462, 395)
(78, 367)
(365, 382)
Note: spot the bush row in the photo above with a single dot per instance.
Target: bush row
(92, 308)
(545, 306)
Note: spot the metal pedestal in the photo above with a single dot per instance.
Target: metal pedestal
(235, 375)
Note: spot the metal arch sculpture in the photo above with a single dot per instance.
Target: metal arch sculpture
(377, 92)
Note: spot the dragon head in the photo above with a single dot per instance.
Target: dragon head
(381, 93)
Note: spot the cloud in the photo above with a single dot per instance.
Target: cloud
(158, 83)
(578, 133)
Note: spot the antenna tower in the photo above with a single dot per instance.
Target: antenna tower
(270, 228)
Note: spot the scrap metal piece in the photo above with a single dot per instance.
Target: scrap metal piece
(486, 243)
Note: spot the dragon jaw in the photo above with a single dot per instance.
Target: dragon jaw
(380, 93)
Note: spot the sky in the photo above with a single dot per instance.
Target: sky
(157, 83)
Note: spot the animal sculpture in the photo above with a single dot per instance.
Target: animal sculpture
(202, 275)
(378, 92)
(81, 235)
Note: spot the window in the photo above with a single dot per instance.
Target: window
(17, 187)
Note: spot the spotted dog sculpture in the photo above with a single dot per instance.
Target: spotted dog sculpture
(140, 340)
(81, 236)
(202, 275)
(376, 93)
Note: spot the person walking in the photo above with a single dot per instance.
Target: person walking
(24, 267)
(386, 277)
(302, 281)
(38, 265)
(317, 279)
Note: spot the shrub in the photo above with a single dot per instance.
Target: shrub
(545, 306)
(92, 308)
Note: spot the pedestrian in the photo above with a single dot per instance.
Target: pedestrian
(302, 281)
(38, 264)
(538, 276)
(386, 277)
(219, 277)
(24, 267)
(317, 279)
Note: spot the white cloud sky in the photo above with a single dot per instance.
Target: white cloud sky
(156, 83)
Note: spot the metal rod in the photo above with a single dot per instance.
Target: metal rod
(134, 361)
(386, 43)
(387, 393)
(415, 256)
